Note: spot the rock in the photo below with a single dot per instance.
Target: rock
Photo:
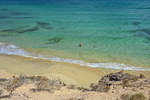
(119, 76)
(141, 76)
(4, 93)
(110, 79)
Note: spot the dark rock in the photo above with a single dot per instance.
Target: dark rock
(9, 30)
(143, 8)
(54, 40)
(4, 17)
(136, 23)
(15, 13)
(44, 25)
(108, 80)
(4, 9)
(119, 76)
(3, 79)
(141, 76)
(32, 29)
(4, 94)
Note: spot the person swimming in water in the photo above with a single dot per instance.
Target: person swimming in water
(80, 44)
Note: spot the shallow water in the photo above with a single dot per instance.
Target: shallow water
(111, 31)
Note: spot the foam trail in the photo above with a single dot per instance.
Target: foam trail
(14, 50)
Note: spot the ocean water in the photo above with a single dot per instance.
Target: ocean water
(114, 33)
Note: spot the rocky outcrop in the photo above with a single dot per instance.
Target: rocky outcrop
(119, 78)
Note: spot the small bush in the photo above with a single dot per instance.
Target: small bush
(125, 83)
(125, 97)
(141, 76)
(71, 86)
(138, 96)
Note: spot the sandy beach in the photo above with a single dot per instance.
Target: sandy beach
(69, 73)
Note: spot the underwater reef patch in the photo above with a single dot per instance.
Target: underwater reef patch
(143, 8)
(15, 13)
(44, 25)
(18, 30)
(32, 29)
(136, 23)
(9, 30)
(147, 31)
(54, 40)
(28, 28)
(4, 9)
(4, 17)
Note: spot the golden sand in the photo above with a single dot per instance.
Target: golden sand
(69, 73)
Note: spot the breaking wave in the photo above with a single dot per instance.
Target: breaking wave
(9, 49)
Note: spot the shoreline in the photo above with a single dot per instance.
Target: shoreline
(40, 54)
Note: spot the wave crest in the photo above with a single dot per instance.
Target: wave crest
(12, 50)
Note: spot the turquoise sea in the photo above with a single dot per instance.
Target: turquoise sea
(113, 32)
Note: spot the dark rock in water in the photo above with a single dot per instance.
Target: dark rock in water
(143, 8)
(17, 13)
(19, 30)
(136, 23)
(32, 29)
(8, 30)
(43, 25)
(54, 40)
(4, 9)
(147, 31)
(4, 17)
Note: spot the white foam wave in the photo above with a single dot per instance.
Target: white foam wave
(14, 50)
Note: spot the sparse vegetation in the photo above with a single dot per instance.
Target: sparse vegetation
(141, 76)
(41, 83)
(76, 98)
(125, 83)
(108, 82)
(71, 86)
(138, 96)
(125, 97)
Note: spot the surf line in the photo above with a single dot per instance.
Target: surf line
(15, 50)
